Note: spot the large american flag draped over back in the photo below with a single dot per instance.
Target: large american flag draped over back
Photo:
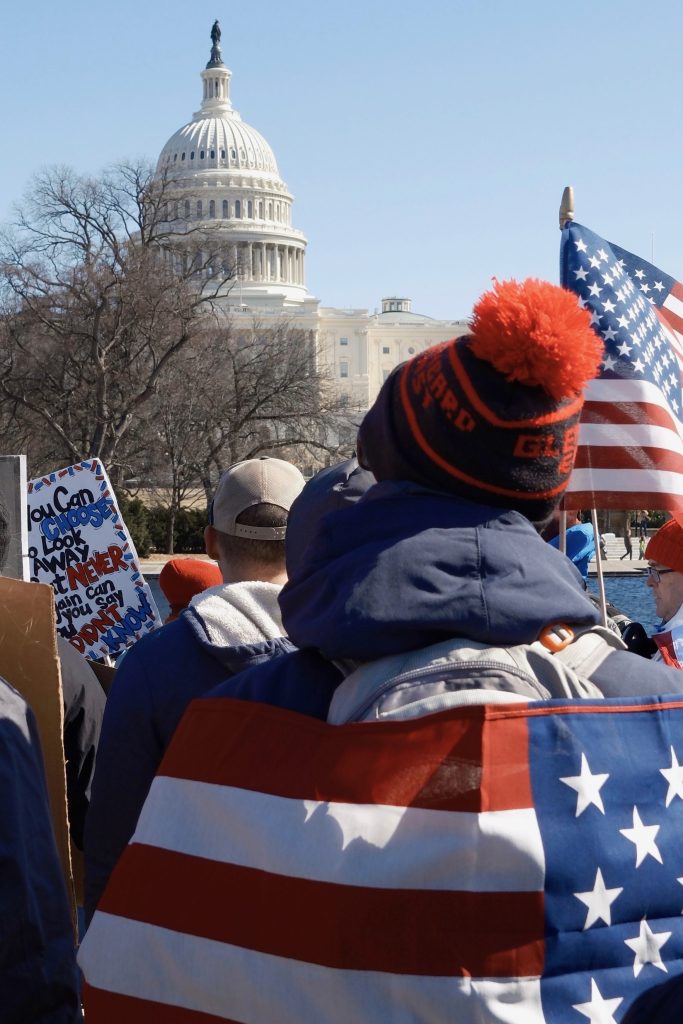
(511, 863)
(630, 449)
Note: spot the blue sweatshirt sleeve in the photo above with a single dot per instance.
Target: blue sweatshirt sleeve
(128, 756)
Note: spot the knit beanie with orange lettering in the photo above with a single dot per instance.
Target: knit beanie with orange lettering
(492, 416)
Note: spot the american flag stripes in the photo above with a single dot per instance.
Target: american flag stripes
(630, 451)
(511, 863)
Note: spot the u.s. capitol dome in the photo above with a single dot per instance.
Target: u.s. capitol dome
(223, 183)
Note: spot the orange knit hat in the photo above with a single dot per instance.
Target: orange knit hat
(666, 547)
(182, 578)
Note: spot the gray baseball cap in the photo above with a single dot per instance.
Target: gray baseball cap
(254, 482)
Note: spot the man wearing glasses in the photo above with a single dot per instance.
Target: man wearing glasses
(665, 578)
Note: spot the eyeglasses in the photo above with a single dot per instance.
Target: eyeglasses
(656, 574)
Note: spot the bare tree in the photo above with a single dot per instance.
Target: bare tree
(100, 291)
(116, 343)
(241, 390)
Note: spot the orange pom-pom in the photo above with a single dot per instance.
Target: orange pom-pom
(537, 334)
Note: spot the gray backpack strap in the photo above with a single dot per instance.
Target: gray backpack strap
(457, 672)
(590, 648)
(422, 678)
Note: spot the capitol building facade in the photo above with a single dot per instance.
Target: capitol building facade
(226, 190)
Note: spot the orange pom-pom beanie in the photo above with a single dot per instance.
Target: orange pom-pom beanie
(666, 546)
(492, 416)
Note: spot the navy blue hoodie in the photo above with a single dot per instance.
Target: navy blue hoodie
(406, 567)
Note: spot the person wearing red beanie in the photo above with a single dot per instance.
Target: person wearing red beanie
(664, 553)
(182, 578)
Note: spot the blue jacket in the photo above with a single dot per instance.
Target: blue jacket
(406, 567)
(580, 544)
(225, 629)
(38, 975)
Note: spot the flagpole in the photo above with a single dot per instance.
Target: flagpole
(566, 215)
(598, 566)
(567, 206)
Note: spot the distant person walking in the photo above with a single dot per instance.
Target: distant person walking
(641, 549)
(627, 541)
(643, 526)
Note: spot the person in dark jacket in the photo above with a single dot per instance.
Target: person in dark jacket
(472, 443)
(224, 630)
(83, 699)
(38, 975)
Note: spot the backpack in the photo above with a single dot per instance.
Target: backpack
(459, 671)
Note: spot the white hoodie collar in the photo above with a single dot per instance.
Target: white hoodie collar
(239, 613)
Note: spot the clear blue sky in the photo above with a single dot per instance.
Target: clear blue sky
(426, 145)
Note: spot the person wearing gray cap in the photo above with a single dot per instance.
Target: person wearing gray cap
(225, 629)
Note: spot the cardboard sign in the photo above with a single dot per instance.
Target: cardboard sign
(29, 662)
(78, 543)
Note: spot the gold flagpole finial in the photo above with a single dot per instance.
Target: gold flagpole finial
(567, 206)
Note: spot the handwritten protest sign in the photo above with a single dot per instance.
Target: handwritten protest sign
(78, 543)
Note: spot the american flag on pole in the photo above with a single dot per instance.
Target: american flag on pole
(630, 450)
(517, 863)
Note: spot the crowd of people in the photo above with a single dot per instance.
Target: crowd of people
(442, 530)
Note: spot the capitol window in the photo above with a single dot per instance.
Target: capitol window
(260, 209)
(343, 341)
(187, 209)
(250, 209)
(386, 350)
(201, 155)
(411, 351)
(222, 154)
(199, 208)
(213, 153)
(226, 209)
(212, 209)
(175, 157)
(238, 208)
(344, 368)
(192, 155)
(182, 157)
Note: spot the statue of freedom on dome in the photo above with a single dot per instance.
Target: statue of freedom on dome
(215, 58)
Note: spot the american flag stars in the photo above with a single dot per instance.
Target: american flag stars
(630, 451)
(591, 787)
(621, 312)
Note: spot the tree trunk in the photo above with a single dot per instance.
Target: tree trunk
(170, 530)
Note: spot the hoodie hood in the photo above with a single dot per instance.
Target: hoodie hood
(406, 567)
(231, 617)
